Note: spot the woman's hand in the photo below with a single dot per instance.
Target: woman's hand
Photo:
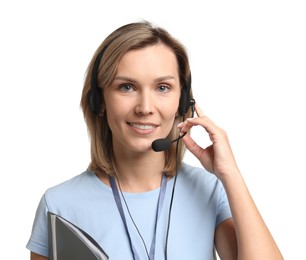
(250, 232)
(217, 158)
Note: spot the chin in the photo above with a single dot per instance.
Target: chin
(142, 147)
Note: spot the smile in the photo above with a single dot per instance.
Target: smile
(142, 127)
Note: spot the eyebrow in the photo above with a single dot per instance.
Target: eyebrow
(163, 78)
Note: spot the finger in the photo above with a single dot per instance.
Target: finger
(199, 113)
(184, 126)
(198, 110)
(190, 122)
(192, 146)
(203, 121)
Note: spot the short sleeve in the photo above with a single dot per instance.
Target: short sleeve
(223, 208)
(38, 242)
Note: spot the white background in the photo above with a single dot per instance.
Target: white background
(248, 61)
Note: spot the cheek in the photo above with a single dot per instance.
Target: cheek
(113, 107)
(172, 113)
(117, 110)
(172, 107)
(113, 113)
(169, 115)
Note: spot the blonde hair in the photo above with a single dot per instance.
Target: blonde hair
(128, 37)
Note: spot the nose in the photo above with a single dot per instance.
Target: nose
(145, 104)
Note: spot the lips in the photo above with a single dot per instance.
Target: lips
(143, 126)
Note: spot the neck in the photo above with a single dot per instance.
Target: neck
(137, 183)
(136, 172)
(139, 172)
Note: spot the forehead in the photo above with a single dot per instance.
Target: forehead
(157, 57)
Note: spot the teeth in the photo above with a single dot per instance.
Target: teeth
(143, 127)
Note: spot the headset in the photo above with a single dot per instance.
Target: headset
(95, 95)
(95, 100)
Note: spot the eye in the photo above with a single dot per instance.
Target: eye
(163, 88)
(126, 88)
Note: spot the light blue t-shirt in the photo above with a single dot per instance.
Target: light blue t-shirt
(199, 205)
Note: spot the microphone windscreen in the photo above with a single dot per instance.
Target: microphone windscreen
(162, 144)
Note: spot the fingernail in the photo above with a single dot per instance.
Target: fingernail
(182, 133)
(180, 124)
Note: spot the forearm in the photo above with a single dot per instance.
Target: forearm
(35, 256)
(253, 237)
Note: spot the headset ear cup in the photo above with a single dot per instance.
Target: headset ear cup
(185, 98)
(94, 100)
(94, 95)
(187, 104)
(182, 104)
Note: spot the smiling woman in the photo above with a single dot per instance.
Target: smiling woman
(141, 107)
(135, 202)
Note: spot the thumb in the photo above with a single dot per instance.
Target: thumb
(192, 146)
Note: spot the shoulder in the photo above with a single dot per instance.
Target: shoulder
(199, 182)
(205, 190)
(73, 188)
(75, 181)
(197, 174)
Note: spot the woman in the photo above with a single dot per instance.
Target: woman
(138, 203)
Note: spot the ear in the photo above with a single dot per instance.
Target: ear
(102, 110)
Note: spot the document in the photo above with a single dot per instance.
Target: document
(69, 242)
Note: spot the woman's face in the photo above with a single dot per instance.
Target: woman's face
(143, 99)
